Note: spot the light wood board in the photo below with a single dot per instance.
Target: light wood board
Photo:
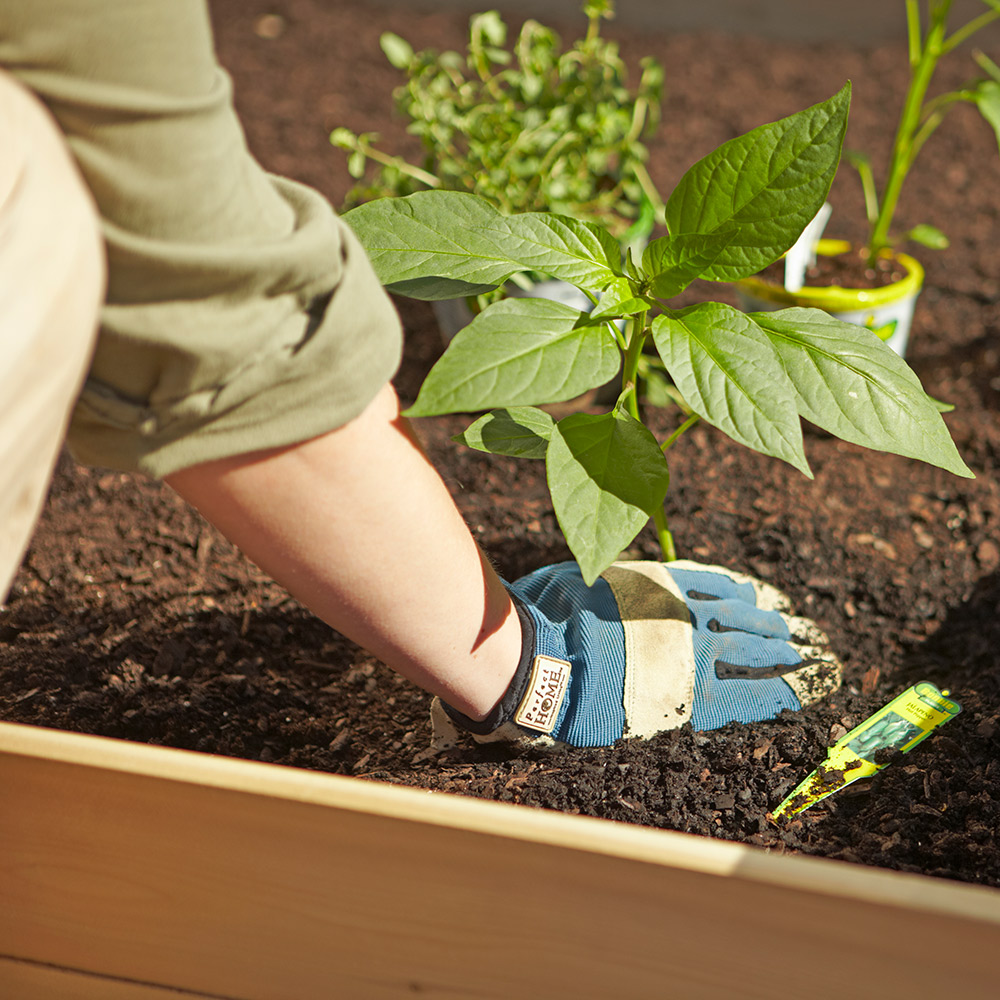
(162, 868)
(20, 980)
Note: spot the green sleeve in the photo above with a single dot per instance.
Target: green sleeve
(241, 313)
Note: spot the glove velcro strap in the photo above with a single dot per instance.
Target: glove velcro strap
(532, 700)
(659, 655)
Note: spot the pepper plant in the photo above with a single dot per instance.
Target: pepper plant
(528, 126)
(752, 376)
(929, 42)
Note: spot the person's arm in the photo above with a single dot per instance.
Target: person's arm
(359, 527)
(246, 344)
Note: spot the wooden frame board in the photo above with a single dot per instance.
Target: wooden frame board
(130, 872)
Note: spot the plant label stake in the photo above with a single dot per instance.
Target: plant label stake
(900, 725)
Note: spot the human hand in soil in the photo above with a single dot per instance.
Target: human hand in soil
(648, 648)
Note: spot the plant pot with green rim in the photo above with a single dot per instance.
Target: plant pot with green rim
(887, 310)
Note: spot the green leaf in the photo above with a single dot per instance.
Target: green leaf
(987, 98)
(606, 475)
(343, 138)
(518, 352)
(673, 262)
(764, 186)
(730, 375)
(849, 383)
(618, 300)
(356, 164)
(928, 236)
(397, 50)
(520, 431)
(432, 241)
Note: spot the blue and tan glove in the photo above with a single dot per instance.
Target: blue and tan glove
(649, 647)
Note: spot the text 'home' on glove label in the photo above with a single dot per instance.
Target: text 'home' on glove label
(543, 698)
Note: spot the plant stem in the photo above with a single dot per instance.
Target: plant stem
(909, 122)
(689, 423)
(664, 535)
(987, 64)
(864, 168)
(630, 393)
(970, 29)
(933, 116)
(649, 189)
(913, 30)
(400, 164)
(630, 366)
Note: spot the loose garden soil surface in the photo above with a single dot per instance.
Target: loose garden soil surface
(132, 618)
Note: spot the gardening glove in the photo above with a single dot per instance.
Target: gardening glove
(649, 647)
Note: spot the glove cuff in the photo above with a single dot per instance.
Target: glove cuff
(507, 707)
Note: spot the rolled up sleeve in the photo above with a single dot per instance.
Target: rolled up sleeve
(241, 313)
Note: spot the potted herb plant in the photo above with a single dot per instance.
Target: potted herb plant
(528, 126)
(877, 285)
(753, 376)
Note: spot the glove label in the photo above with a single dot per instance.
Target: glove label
(544, 694)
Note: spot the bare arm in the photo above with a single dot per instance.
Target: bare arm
(359, 527)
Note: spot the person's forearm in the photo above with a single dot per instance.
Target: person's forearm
(359, 527)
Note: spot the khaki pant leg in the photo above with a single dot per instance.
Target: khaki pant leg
(51, 287)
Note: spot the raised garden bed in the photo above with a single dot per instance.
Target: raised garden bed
(133, 619)
(140, 873)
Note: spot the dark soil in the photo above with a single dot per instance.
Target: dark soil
(851, 269)
(131, 618)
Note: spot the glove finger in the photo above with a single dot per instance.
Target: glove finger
(718, 581)
(724, 615)
(819, 674)
(746, 656)
(700, 582)
(812, 672)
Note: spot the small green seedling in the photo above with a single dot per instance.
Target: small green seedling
(920, 117)
(530, 127)
(753, 376)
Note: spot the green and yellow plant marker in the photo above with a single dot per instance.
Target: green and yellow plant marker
(900, 725)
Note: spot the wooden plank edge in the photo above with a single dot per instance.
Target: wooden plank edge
(580, 833)
(25, 979)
